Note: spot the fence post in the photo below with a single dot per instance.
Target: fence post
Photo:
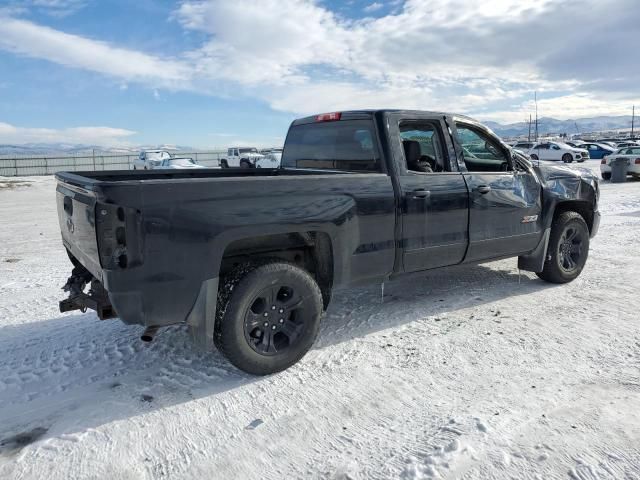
(15, 166)
(93, 155)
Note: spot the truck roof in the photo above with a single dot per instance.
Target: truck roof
(370, 113)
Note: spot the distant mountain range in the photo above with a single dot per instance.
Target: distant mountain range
(551, 125)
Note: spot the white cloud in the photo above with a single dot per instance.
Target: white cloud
(373, 7)
(101, 136)
(30, 39)
(484, 58)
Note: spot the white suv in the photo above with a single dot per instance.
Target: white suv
(244, 157)
(150, 159)
(556, 151)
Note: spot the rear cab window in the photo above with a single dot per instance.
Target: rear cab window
(345, 145)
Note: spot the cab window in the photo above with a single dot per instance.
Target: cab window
(481, 152)
(422, 147)
(347, 145)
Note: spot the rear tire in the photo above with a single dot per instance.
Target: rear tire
(224, 164)
(567, 158)
(568, 249)
(268, 316)
(534, 156)
(606, 175)
(245, 164)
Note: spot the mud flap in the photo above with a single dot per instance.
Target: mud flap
(201, 319)
(534, 261)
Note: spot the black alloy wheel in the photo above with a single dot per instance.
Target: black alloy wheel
(267, 316)
(568, 249)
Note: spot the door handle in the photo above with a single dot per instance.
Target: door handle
(421, 193)
(483, 189)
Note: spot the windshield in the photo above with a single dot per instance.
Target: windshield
(158, 155)
(248, 150)
(184, 162)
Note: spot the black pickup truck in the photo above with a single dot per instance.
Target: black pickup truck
(248, 258)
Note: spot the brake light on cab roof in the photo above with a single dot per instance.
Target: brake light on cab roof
(328, 117)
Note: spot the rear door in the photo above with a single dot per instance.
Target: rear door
(555, 152)
(433, 195)
(541, 150)
(504, 200)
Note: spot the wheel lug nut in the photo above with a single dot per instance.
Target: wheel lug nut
(281, 320)
(266, 324)
(273, 307)
(266, 314)
(273, 327)
(281, 310)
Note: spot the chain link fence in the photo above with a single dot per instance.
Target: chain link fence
(18, 166)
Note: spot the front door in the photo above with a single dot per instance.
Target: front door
(504, 199)
(434, 198)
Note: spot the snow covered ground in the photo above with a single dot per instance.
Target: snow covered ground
(474, 373)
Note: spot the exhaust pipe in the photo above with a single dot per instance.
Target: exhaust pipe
(149, 334)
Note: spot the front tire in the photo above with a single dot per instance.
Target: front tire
(567, 158)
(268, 316)
(568, 249)
(245, 164)
(224, 164)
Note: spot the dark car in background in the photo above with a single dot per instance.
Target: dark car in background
(597, 150)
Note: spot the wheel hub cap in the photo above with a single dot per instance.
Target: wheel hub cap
(570, 249)
(275, 320)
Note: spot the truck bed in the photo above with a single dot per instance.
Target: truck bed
(154, 238)
(92, 178)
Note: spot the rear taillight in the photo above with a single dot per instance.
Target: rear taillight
(328, 117)
(637, 162)
(603, 162)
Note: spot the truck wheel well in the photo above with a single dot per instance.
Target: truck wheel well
(309, 250)
(584, 209)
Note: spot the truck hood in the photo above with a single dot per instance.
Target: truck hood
(548, 172)
(568, 182)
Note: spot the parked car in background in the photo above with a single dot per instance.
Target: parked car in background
(628, 143)
(178, 163)
(523, 147)
(632, 154)
(149, 159)
(597, 150)
(271, 158)
(243, 157)
(575, 143)
(557, 151)
(611, 142)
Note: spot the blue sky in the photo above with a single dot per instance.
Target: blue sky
(209, 73)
